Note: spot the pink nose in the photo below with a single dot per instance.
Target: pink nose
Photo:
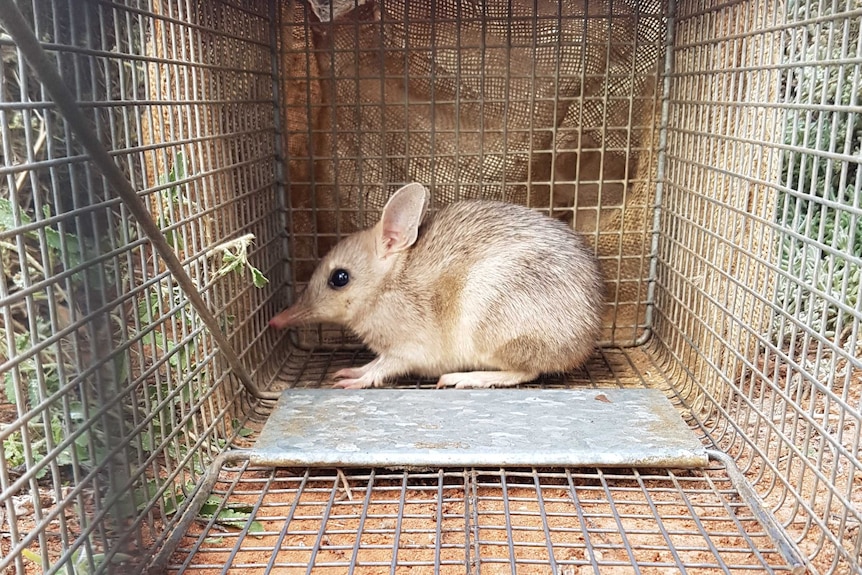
(283, 319)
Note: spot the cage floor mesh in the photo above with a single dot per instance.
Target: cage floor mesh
(555, 521)
(526, 519)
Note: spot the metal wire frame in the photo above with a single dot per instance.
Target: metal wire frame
(756, 307)
(350, 537)
(113, 389)
(480, 521)
(742, 403)
(766, 383)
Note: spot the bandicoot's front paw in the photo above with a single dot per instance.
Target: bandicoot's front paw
(349, 373)
(354, 383)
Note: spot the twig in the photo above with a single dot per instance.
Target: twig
(240, 242)
(37, 147)
(35, 264)
(345, 484)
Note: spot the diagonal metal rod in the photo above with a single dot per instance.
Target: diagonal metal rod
(18, 28)
(786, 547)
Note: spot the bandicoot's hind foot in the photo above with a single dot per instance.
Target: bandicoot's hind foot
(484, 379)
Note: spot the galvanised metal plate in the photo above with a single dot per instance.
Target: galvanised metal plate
(488, 427)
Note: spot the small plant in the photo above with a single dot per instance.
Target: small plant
(169, 326)
(82, 560)
(235, 515)
(235, 259)
(171, 198)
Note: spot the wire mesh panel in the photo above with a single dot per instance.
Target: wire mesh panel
(552, 105)
(761, 250)
(479, 521)
(112, 390)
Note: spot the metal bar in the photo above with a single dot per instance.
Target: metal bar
(243, 534)
(618, 521)
(399, 523)
(664, 533)
(469, 560)
(510, 539)
(275, 14)
(315, 548)
(438, 523)
(283, 532)
(545, 529)
(582, 521)
(189, 511)
(17, 27)
(363, 517)
(661, 164)
(786, 547)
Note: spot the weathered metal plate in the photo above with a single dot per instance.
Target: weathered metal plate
(494, 427)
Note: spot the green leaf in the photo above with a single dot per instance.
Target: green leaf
(34, 557)
(7, 221)
(172, 502)
(144, 493)
(178, 172)
(239, 520)
(151, 304)
(232, 517)
(72, 248)
(255, 528)
(82, 559)
(173, 239)
(258, 278)
(231, 260)
(209, 508)
(242, 431)
(9, 388)
(155, 338)
(121, 368)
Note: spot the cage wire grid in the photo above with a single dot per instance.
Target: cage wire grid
(742, 280)
(482, 521)
(505, 114)
(113, 391)
(772, 351)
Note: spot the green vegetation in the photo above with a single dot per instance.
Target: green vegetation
(822, 248)
(38, 377)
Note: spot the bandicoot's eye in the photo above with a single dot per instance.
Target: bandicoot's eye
(339, 278)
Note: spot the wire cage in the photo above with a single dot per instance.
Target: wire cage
(708, 153)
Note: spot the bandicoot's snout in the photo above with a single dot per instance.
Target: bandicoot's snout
(285, 319)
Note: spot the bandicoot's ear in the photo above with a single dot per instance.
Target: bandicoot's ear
(399, 224)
